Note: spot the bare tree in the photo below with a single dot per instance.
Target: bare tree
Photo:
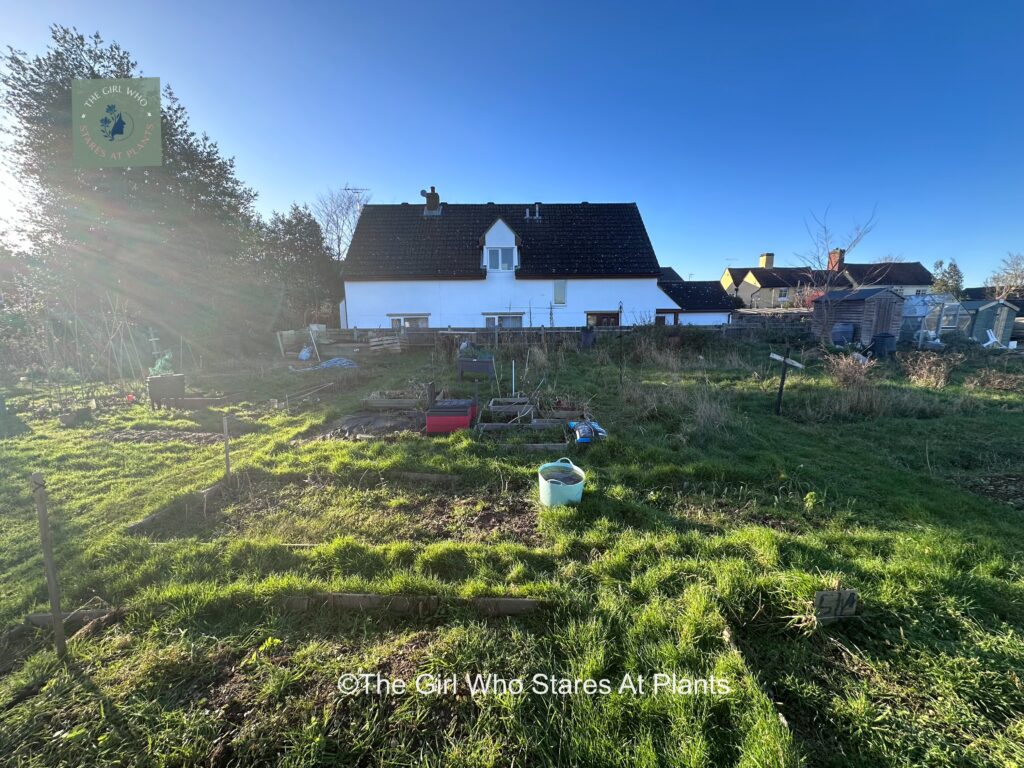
(1008, 279)
(824, 261)
(338, 210)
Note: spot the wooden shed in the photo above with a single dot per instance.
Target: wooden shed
(870, 311)
(996, 315)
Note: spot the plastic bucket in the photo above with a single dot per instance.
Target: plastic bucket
(558, 488)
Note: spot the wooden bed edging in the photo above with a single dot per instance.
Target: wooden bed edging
(408, 605)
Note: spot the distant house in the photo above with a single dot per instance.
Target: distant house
(692, 302)
(768, 287)
(504, 265)
(863, 312)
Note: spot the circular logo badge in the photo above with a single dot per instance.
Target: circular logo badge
(116, 125)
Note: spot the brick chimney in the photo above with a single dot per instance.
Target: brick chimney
(433, 206)
(836, 257)
(767, 260)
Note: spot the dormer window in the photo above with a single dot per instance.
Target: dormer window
(500, 259)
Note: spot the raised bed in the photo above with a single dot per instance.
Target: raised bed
(485, 367)
(503, 426)
(193, 403)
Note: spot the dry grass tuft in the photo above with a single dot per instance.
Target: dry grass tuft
(929, 369)
(997, 381)
(847, 371)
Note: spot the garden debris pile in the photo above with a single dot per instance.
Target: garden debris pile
(370, 424)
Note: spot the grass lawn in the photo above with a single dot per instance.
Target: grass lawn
(706, 527)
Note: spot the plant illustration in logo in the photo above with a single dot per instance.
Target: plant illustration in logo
(115, 125)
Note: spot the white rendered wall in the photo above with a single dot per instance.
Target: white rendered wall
(464, 303)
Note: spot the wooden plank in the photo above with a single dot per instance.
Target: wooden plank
(406, 605)
(426, 477)
(505, 426)
(505, 606)
(386, 344)
(534, 447)
(82, 617)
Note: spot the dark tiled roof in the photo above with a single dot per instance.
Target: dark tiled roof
(569, 240)
(791, 277)
(698, 295)
(736, 274)
(976, 294)
(889, 273)
(669, 275)
(861, 294)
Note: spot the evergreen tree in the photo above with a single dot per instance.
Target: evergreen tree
(947, 278)
(175, 241)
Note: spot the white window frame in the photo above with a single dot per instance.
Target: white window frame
(897, 289)
(565, 293)
(403, 319)
(783, 294)
(498, 251)
(492, 320)
(921, 292)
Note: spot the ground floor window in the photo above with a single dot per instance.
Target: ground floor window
(398, 322)
(602, 319)
(504, 320)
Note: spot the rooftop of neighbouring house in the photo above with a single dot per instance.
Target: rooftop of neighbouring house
(859, 294)
(794, 277)
(847, 275)
(555, 240)
(697, 295)
(889, 273)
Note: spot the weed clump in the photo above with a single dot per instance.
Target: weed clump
(871, 402)
(929, 369)
(847, 371)
(997, 381)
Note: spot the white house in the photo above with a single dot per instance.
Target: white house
(507, 265)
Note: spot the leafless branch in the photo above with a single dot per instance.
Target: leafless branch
(338, 210)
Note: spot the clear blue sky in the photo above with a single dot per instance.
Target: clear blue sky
(728, 123)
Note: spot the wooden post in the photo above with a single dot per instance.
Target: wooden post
(782, 384)
(280, 344)
(227, 453)
(39, 492)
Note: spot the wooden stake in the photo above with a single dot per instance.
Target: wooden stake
(782, 385)
(39, 492)
(227, 453)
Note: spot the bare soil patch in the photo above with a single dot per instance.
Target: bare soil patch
(507, 517)
(1008, 489)
(374, 424)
